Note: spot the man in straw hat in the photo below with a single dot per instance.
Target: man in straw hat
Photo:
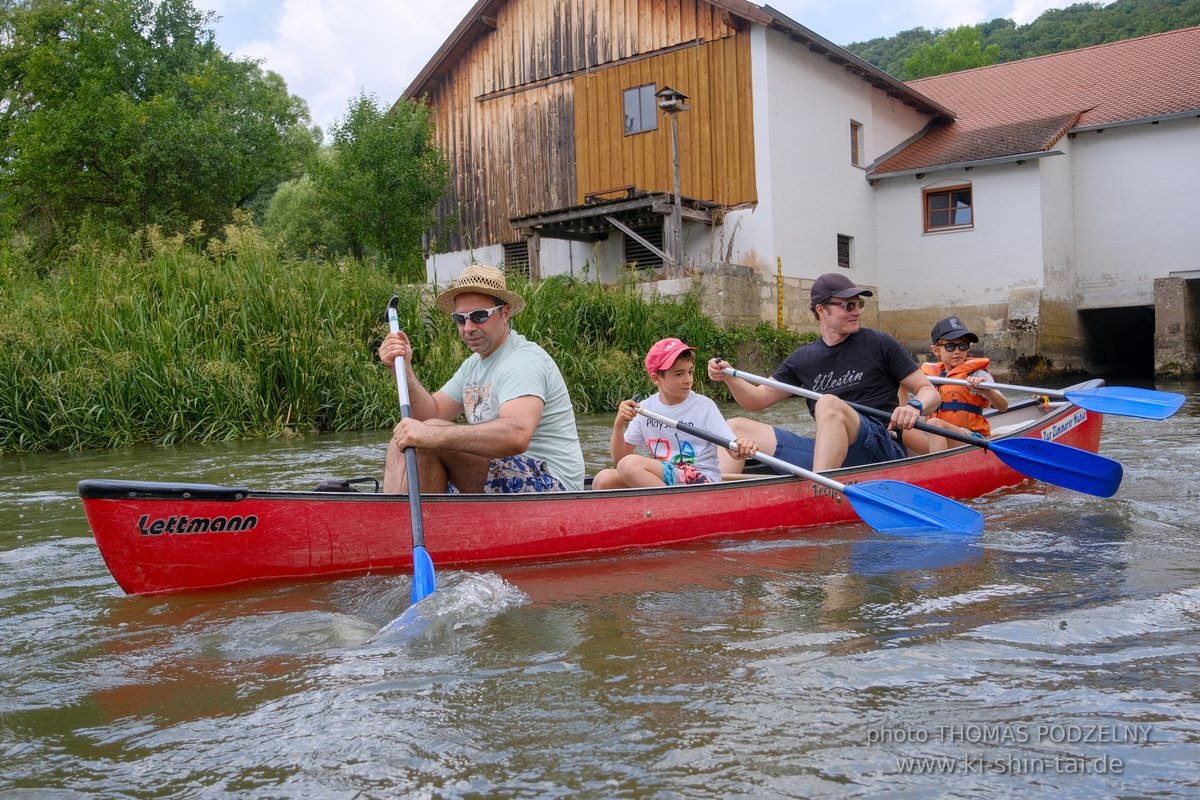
(847, 362)
(520, 434)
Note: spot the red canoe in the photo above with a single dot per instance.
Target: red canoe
(169, 537)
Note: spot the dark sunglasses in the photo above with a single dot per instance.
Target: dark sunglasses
(849, 305)
(478, 316)
(952, 346)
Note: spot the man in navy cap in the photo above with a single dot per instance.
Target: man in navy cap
(847, 363)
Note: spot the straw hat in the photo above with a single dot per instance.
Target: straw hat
(480, 279)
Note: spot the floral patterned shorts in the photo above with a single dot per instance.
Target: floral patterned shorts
(682, 474)
(515, 474)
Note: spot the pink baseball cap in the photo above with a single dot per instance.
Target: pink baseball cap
(663, 354)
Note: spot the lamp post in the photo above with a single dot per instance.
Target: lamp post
(671, 101)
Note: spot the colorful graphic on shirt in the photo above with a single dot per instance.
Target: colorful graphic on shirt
(661, 449)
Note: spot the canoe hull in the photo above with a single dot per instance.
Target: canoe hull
(168, 537)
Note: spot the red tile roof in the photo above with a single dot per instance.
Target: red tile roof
(1027, 106)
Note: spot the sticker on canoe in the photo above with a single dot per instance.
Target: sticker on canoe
(1059, 428)
(185, 524)
(825, 491)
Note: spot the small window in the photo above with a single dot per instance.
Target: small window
(844, 251)
(641, 109)
(856, 143)
(946, 209)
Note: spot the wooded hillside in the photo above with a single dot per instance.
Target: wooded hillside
(1078, 25)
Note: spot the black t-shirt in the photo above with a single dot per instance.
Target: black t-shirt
(866, 368)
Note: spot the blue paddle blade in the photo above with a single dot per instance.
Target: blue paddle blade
(902, 509)
(424, 582)
(1069, 467)
(1127, 401)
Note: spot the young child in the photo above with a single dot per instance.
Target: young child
(676, 457)
(962, 406)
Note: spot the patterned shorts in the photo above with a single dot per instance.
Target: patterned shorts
(516, 474)
(682, 474)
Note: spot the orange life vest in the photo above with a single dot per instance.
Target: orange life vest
(960, 406)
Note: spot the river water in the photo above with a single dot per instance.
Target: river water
(1059, 655)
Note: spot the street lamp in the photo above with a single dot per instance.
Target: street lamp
(671, 101)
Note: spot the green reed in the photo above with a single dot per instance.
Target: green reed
(168, 339)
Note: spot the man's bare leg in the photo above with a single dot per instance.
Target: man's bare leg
(837, 426)
(758, 432)
(436, 468)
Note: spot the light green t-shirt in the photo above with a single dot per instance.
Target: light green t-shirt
(519, 368)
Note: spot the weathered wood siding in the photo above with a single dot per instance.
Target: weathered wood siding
(504, 108)
(716, 137)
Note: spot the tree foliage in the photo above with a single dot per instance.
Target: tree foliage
(954, 50)
(383, 179)
(297, 219)
(1056, 30)
(126, 113)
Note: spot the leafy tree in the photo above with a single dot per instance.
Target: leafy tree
(890, 53)
(954, 50)
(383, 179)
(297, 218)
(126, 113)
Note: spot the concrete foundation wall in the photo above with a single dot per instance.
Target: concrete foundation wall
(1176, 327)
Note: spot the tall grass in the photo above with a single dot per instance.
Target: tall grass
(170, 339)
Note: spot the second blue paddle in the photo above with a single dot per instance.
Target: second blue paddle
(1060, 464)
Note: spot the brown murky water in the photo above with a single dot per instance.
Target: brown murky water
(1055, 656)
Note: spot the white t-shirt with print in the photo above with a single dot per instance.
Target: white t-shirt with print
(669, 444)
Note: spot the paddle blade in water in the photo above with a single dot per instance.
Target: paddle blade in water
(1065, 466)
(903, 509)
(1127, 401)
(424, 581)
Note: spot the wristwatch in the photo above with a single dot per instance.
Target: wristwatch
(918, 405)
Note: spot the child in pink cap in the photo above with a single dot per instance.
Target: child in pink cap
(676, 457)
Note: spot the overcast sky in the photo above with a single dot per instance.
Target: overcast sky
(330, 50)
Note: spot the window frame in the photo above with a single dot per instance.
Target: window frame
(849, 248)
(645, 93)
(952, 211)
(856, 143)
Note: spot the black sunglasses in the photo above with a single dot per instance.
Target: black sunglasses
(478, 316)
(952, 346)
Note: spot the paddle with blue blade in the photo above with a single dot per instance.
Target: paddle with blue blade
(1051, 462)
(424, 581)
(1120, 401)
(887, 506)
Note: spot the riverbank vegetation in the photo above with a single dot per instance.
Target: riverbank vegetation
(156, 338)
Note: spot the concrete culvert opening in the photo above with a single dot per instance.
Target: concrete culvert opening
(1120, 341)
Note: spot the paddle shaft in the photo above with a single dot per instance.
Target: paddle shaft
(1124, 401)
(957, 436)
(410, 454)
(770, 461)
(887, 506)
(1055, 463)
(1001, 386)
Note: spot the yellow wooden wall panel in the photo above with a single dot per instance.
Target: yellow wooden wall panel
(716, 133)
(510, 129)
